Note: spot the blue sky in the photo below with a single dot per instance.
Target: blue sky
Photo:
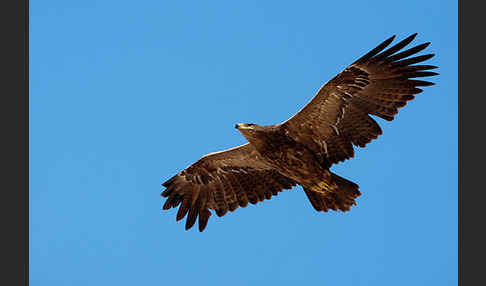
(125, 94)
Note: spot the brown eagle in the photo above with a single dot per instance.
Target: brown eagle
(301, 150)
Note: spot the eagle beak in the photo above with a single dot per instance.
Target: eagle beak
(242, 126)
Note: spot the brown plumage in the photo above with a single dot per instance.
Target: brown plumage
(301, 150)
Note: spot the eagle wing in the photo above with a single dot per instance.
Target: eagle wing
(222, 181)
(378, 84)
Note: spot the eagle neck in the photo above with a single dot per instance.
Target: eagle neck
(268, 141)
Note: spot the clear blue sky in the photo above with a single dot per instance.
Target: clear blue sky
(124, 94)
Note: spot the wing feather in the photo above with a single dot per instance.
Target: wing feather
(378, 83)
(222, 181)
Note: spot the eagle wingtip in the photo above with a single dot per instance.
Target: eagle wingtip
(388, 41)
(167, 183)
(165, 193)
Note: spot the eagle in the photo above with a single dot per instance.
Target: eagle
(301, 150)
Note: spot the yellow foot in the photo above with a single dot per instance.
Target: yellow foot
(324, 185)
(321, 187)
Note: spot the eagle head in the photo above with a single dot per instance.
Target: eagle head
(252, 132)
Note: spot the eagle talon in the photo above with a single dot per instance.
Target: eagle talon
(323, 185)
(318, 189)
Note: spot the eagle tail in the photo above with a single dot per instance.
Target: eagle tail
(341, 197)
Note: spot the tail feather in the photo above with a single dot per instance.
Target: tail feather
(341, 197)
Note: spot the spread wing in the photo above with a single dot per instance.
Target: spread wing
(378, 84)
(222, 181)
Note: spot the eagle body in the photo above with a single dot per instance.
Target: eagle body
(302, 150)
(289, 157)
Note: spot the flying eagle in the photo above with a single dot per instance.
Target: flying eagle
(301, 150)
